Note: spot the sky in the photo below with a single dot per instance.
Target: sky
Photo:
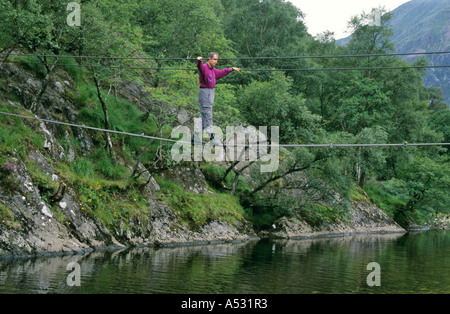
(333, 15)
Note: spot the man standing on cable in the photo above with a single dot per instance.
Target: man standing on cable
(208, 75)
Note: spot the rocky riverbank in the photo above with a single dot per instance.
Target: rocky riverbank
(365, 218)
(32, 226)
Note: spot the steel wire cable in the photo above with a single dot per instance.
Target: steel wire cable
(246, 58)
(237, 58)
(331, 145)
(233, 58)
(245, 70)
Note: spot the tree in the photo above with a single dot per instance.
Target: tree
(271, 104)
(181, 28)
(263, 28)
(423, 186)
(107, 32)
(38, 28)
(370, 160)
(440, 122)
(358, 104)
(436, 99)
(270, 28)
(17, 21)
(368, 37)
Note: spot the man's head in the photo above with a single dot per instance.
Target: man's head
(212, 59)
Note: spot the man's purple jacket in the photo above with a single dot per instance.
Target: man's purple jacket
(208, 76)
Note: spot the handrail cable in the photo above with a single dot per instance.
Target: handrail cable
(247, 70)
(331, 145)
(234, 58)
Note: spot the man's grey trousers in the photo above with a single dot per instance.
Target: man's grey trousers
(205, 102)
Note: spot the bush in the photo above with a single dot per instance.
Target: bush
(262, 217)
(214, 175)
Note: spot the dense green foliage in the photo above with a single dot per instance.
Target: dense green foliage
(359, 106)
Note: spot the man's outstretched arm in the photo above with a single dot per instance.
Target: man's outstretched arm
(225, 72)
(200, 64)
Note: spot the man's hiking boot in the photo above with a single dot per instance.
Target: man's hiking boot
(197, 140)
(213, 141)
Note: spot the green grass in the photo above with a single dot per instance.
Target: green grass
(32, 64)
(195, 210)
(112, 201)
(85, 96)
(357, 195)
(123, 117)
(15, 136)
(77, 73)
(107, 168)
(7, 217)
(83, 167)
(110, 204)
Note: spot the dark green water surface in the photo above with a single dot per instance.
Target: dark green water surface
(415, 262)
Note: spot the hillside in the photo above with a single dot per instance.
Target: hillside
(424, 26)
(101, 169)
(60, 194)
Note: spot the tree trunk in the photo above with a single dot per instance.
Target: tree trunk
(105, 112)
(46, 79)
(358, 167)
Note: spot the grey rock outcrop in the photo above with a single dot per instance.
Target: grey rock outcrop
(37, 229)
(365, 218)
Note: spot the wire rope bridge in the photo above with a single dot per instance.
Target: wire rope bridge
(330, 145)
(84, 58)
(180, 142)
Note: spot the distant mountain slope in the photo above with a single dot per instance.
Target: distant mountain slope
(424, 26)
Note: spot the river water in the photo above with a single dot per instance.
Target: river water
(416, 262)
